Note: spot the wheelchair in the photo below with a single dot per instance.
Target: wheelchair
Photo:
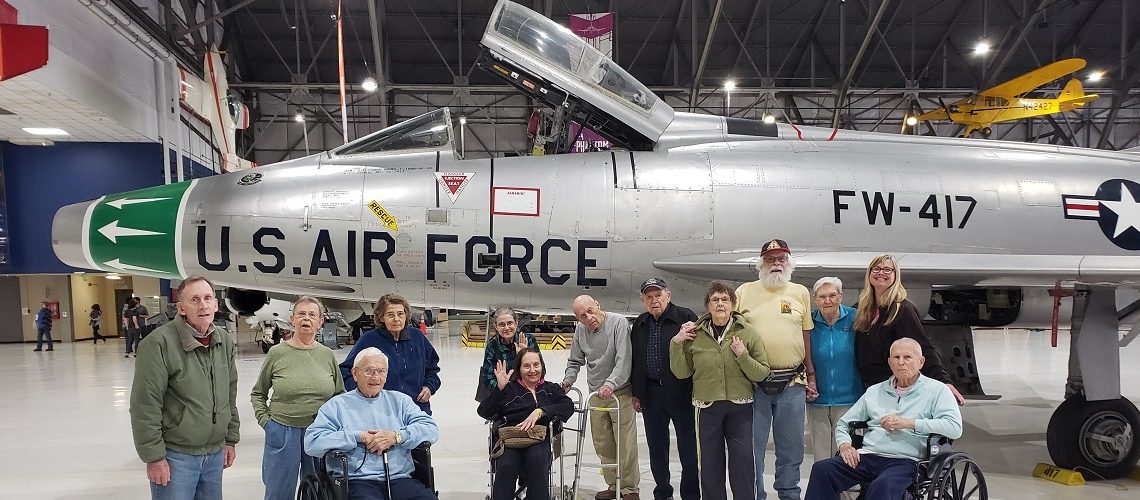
(324, 484)
(942, 473)
(557, 490)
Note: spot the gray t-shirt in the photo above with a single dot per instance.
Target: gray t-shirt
(606, 353)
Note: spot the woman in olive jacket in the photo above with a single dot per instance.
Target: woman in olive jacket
(725, 356)
(523, 398)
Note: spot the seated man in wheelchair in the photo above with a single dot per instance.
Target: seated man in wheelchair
(523, 400)
(900, 413)
(377, 429)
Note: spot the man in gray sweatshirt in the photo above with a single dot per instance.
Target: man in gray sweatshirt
(602, 344)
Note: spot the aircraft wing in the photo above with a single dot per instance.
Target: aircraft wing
(936, 268)
(1034, 79)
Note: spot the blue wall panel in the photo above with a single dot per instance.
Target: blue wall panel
(39, 180)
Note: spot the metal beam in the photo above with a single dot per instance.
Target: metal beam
(841, 92)
(1077, 34)
(803, 38)
(748, 33)
(713, 18)
(673, 55)
(880, 41)
(216, 17)
(942, 41)
(1120, 94)
(430, 39)
(1009, 47)
(810, 42)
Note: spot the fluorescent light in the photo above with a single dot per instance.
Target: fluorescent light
(369, 84)
(981, 48)
(463, 120)
(48, 131)
(1095, 76)
(911, 121)
(769, 119)
(299, 118)
(730, 85)
(113, 277)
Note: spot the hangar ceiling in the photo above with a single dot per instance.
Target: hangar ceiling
(791, 58)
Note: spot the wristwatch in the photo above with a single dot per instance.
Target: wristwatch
(399, 437)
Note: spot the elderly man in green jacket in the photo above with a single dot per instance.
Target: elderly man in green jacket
(183, 400)
(901, 413)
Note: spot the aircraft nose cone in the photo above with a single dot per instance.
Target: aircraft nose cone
(67, 234)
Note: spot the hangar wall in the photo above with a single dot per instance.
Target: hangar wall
(39, 180)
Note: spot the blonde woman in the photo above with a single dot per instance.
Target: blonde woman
(302, 374)
(884, 315)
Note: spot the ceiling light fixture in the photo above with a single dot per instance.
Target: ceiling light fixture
(730, 85)
(981, 48)
(113, 277)
(911, 121)
(299, 118)
(45, 131)
(1095, 76)
(369, 84)
(769, 119)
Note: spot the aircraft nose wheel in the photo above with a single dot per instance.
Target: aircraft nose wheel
(1096, 436)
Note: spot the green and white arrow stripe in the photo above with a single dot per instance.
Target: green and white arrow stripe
(138, 232)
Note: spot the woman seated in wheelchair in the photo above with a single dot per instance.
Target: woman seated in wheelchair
(525, 405)
(900, 413)
(378, 429)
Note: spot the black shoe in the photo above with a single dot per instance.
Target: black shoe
(52, 349)
(36, 349)
(127, 355)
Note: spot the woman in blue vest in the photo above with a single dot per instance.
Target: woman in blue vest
(836, 373)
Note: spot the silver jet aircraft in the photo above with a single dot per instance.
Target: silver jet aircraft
(684, 196)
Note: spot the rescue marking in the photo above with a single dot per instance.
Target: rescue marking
(388, 219)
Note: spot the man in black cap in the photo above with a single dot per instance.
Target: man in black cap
(658, 395)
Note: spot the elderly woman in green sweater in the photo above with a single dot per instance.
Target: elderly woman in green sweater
(302, 374)
(725, 356)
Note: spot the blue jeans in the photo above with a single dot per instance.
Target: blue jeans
(783, 415)
(43, 335)
(192, 477)
(283, 453)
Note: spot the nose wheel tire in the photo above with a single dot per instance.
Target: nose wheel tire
(1096, 436)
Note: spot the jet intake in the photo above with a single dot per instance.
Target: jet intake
(245, 302)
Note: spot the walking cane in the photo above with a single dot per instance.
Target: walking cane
(387, 475)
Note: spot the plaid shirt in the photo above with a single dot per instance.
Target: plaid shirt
(496, 350)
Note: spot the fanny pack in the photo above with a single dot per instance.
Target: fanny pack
(513, 437)
(778, 380)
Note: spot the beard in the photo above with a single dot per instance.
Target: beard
(774, 280)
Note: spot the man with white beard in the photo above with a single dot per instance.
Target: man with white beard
(781, 311)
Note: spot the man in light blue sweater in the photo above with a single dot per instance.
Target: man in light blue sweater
(367, 422)
(900, 413)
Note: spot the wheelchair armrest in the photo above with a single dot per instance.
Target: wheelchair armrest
(857, 430)
(937, 444)
(854, 426)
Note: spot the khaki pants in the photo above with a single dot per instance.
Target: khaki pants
(822, 421)
(602, 431)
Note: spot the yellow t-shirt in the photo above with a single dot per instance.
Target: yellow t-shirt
(781, 316)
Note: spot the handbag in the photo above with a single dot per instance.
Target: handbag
(513, 437)
(778, 380)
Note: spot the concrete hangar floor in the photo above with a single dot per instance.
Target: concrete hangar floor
(66, 433)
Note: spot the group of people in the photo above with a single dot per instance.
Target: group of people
(753, 365)
(184, 415)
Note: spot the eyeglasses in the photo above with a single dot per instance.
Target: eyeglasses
(830, 296)
(372, 372)
(780, 258)
(882, 270)
(717, 300)
(397, 314)
(307, 314)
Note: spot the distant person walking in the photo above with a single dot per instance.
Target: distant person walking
(134, 320)
(43, 327)
(96, 316)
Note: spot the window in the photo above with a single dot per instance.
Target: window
(427, 131)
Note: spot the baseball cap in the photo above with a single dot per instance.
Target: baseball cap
(775, 246)
(653, 283)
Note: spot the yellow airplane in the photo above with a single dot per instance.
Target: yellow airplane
(1004, 102)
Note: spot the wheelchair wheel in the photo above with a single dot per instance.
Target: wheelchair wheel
(958, 478)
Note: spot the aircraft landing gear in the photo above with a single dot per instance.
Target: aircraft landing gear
(1099, 436)
(986, 131)
(1094, 429)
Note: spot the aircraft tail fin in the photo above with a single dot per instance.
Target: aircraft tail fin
(1073, 96)
(1072, 90)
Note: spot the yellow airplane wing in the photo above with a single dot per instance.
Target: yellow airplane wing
(1034, 79)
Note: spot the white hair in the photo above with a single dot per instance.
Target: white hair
(907, 342)
(369, 352)
(827, 280)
